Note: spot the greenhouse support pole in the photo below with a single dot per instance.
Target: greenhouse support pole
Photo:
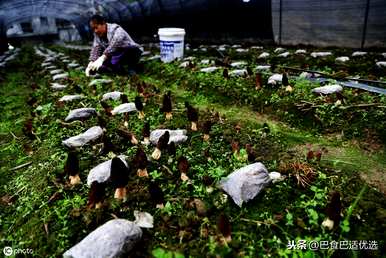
(365, 23)
(161, 7)
(280, 20)
(142, 8)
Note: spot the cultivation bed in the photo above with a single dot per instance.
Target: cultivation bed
(319, 143)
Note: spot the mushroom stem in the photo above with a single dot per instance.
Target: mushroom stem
(156, 154)
(134, 140)
(194, 126)
(160, 206)
(141, 115)
(146, 140)
(169, 115)
(74, 180)
(328, 223)
(289, 88)
(228, 239)
(142, 173)
(120, 193)
(184, 177)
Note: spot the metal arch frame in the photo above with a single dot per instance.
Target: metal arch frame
(78, 12)
(11, 5)
(124, 8)
(73, 19)
(28, 16)
(141, 7)
(39, 7)
(161, 6)
(130, 7)
(115, 8)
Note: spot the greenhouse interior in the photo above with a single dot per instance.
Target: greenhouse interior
(192, 128)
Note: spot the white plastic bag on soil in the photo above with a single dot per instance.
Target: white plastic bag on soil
(113, 239)
(245, 183)
(101, 173)
(329, 89)
(79, 140)
(285, 54)
(124, 108)
(143, 219)
(56, 71)
(275, 79)
(238, 72)
(68, 98)
(320, 54)
(100, 81)
(176, 136)
(80, 113)
(72, 65)
(57, 86)
(60, 76)
(381, 64)
(342, 59)
(114, 95)
(239, 64)
(262, 67)
(263, 55)
(209, 69)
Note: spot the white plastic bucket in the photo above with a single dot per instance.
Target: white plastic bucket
(171, 43)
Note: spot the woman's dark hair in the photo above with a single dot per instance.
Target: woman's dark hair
(96, 18)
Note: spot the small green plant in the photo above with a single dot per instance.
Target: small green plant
(162, 253)
(345, 225)
(155, 175)
(217, 172)
(290, 219)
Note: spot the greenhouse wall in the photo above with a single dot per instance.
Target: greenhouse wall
(3, 38)
(209, 20)
(354, 23)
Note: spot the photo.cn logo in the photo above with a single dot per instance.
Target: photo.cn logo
(7, 251)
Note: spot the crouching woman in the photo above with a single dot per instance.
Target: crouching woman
(112, 49)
